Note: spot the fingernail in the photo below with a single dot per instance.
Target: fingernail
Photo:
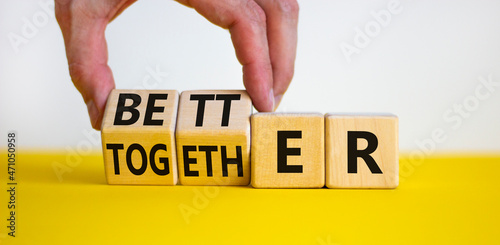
(271, 98)
(277, 100)
(93, 112)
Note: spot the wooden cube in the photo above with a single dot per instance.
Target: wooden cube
(288, 150)
(213, 137)
(138, 137)
(362, 151)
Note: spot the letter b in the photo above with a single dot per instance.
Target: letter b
(120, 108)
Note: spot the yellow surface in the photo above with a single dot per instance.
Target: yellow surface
(442, 200)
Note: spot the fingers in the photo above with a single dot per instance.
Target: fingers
(246, 22)
(282, 19)
(264, 35)
(87, 59)
(250, 43)
(83, 25)
(249, 36)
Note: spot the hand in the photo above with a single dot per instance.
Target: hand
(264, 35)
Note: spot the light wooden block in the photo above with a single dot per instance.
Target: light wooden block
(362, 151)
(213, 137)
(138, 137)
(288, 150)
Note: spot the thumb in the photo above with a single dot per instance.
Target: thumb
(94, 83)
(87, 56)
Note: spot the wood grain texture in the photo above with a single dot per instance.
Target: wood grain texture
(214, 139)
(385, 128)
(265, 148)
(146, 136)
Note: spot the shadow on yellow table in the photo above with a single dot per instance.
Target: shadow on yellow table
(64, 199)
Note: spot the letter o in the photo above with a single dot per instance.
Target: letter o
(213, 193)
(84, 147)
(416, 158)
(40, 15)
(369, 29)
(471, 103)
(144, 163)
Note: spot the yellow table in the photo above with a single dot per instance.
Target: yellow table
(442, 200)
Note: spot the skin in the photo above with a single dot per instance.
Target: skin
(263, 32)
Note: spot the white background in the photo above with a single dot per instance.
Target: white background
(424, 61)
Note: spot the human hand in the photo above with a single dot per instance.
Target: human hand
(264, 35)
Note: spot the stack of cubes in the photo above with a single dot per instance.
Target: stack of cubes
(211, 137)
